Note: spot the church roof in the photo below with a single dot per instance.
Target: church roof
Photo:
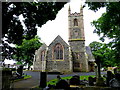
(44, 46)
(89, 54)
(58, 39)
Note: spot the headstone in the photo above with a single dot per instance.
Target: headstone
(75, 80)
(43, 79)
(115, 82)
(58, 78)
(100, 82)
(110, 76)
(117, 76)
(6, 79)
(62, 84)
(115, 71)
(94, 79)
(76, 76)
(50, 87)
(91, 81)
(20, 70)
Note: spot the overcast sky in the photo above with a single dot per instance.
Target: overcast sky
(59, 26)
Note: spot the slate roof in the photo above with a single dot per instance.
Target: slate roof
(89, 54)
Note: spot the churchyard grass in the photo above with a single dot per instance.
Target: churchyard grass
(54, 81)
(25, 77)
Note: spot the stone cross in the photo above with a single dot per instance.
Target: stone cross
(97, 60)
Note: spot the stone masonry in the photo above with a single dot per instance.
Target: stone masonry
(61, 57)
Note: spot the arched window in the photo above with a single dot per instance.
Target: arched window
(43, 55)
(75, 22)
(58, 51)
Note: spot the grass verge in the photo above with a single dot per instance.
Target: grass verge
(54, 81)
(25, 77)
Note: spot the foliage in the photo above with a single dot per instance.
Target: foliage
(108, 25)
(34, 13)
(104, 52)
(25, 51)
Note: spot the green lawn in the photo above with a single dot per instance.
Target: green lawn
(54, 81)
(25, 77)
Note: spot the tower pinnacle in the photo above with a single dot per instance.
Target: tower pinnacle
(81, 10)
(69, 10)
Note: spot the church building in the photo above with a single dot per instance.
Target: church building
(62, 57)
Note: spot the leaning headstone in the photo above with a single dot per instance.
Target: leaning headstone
(62, 84)
(43, 79)
(75, 80)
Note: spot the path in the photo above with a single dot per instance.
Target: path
(34, 81)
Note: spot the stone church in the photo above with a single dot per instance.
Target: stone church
(61, 57)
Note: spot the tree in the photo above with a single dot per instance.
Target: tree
(108, 25)
(34, 13)
(104, 53)
(25, 51)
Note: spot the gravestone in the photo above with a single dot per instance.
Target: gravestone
(117, 76)
(90, 81)
(6, 79)
(75, 80)
(62, 84)
(110, 76)
(50, 87)
(115, 82)
(115, 71)
(20, 70)
(43, 79)
(100, 81)
(58, 77)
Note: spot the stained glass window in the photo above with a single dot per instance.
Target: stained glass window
(58, 51)
(42, 55)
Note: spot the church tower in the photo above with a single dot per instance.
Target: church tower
(77, 40)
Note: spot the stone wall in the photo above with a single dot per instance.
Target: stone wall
(58, 65)
(37, 63)
(79, 59)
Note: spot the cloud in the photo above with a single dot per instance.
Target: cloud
(59, 26)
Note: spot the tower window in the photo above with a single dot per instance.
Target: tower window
(75, 22)
(43, 55)
(58, 51)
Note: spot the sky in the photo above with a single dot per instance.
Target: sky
(59, 26)
(49, 31)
